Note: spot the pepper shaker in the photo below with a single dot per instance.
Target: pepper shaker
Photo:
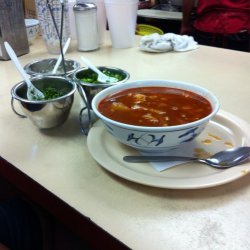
(86, 26)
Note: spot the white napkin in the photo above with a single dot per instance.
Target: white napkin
(190, 149)
(167, 42)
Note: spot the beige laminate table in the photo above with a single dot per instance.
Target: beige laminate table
(55, 169)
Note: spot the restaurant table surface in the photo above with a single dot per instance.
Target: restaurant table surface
(140, 216)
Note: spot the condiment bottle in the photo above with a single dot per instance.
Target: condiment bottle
(101, 18)
(86, 26)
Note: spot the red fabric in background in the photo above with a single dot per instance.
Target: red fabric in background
(223, 16)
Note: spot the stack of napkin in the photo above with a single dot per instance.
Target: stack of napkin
(193, 148)
(167, 42)
(182, 150)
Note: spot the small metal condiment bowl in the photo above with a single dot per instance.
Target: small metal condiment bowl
(91, 89)
(45, 113)
(46, 66)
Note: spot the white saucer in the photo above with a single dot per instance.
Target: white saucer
(223, 131)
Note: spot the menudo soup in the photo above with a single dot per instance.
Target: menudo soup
(155, 106)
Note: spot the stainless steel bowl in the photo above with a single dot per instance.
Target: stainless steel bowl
(46, 66)
(91, 89)
(45, 113)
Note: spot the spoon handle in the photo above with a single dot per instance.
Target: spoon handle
(91, 66)
(65, 48)
(14, 58)
(155, 158)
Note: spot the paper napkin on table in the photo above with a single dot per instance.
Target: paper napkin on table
(167, 42)
(189, 150)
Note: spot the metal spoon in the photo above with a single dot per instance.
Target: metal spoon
(101, 77)
(221, 160)
(32, 93)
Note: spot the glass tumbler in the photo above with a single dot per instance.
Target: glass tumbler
(47, 26)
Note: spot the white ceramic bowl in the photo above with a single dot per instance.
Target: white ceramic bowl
(155, 138)
(32, 28)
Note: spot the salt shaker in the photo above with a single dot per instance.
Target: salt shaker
(101, 18)
(86, 26)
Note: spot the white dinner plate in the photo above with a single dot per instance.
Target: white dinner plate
(224, 131)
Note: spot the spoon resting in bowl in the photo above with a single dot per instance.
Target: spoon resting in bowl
(32, 93)
(101, 77)
(221, 160)
(65, 48)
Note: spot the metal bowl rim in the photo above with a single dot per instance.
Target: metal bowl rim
(15, 96)
(101, 84)
(30, 72)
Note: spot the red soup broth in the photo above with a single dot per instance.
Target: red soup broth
(155, 106)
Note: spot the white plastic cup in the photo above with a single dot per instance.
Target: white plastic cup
(122, 15)
(101, 18)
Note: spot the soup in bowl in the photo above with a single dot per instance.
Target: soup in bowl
(155, 115)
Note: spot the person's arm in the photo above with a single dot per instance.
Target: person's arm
(187, 7)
